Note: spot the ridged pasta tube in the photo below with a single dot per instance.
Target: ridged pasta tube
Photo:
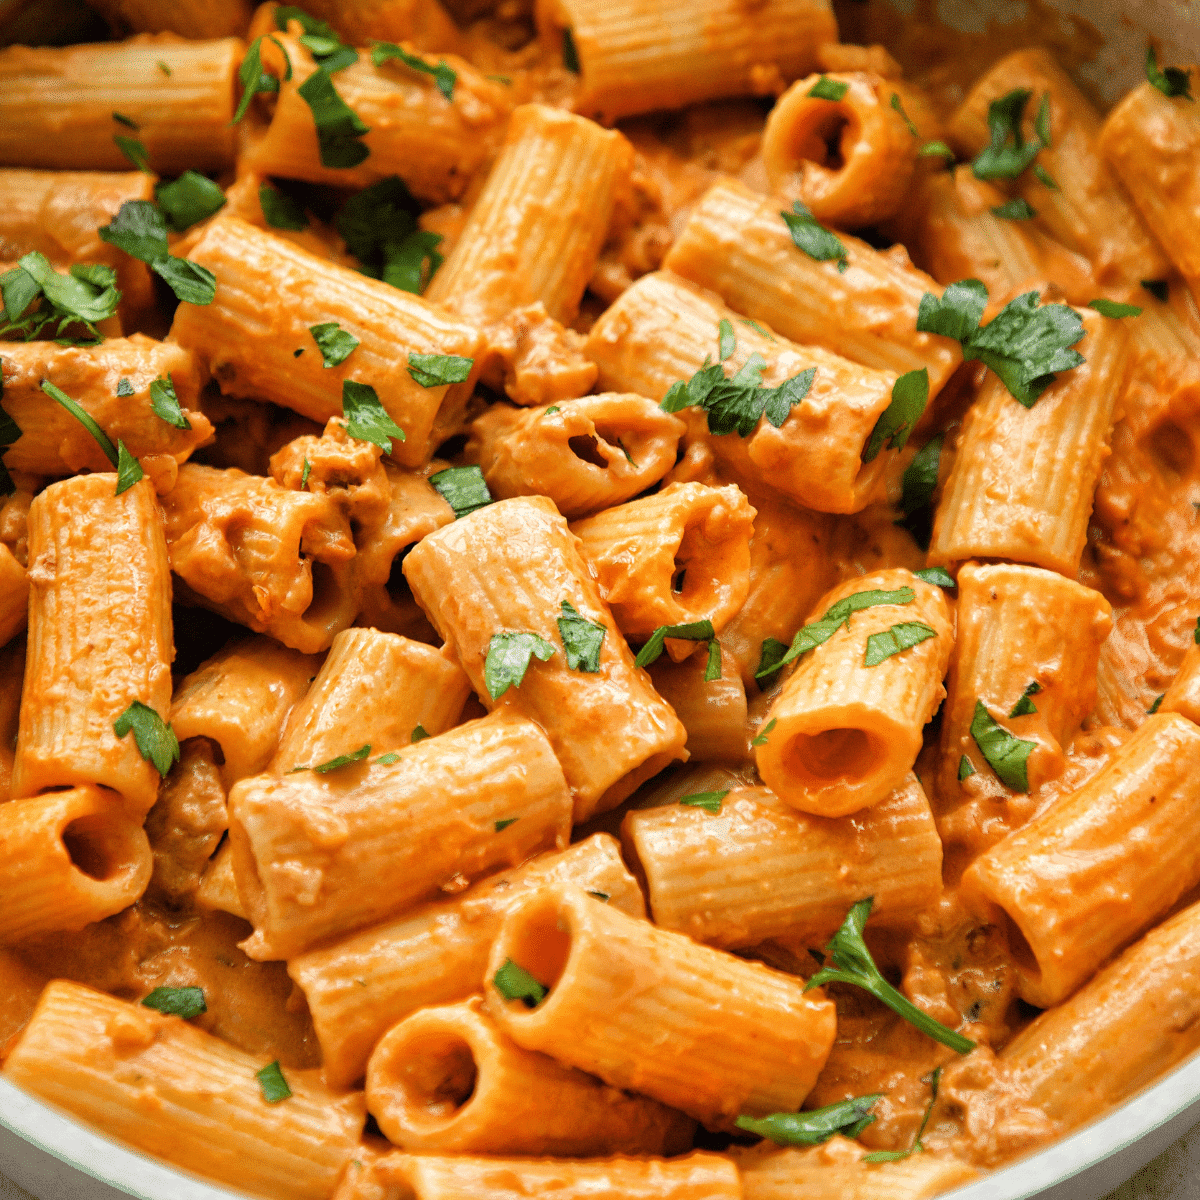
(713, 711)
(437, 953)
(510, 567)
(1183, 696)
(842, 735)
(736, 243)
(634, 57)
(250, 348)
(376, 688)
(169, 1089)
(1100, 865)
(585, 454)
(679, 556)
(14, 595)
(849, 161)
(1024, 478)
(68, 859)
(664, 329)
(727, 1036)
(757, 869)
(446, 1079)
(57, 104)
(536, 230)
(99, 637)
(53, 442)
(306, 848)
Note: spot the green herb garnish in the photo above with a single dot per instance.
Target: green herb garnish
(1025, 706)
(513, 982)
(443, 74)
(1173, 81)
(190, 199)
(813, 238)
(582, 639)
(274, 1086)
(709, 801)
(366, 418)
(1008, 756)
(154, 738)
(185, 1002)
(438, 370)
(463, 488)
(165, 403)
(335, 343)
(508, 658)
(896, 640)
(828, 89)
(910, 394)
(847, 1117)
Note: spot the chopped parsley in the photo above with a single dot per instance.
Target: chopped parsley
(84, 296)
(254, 79)
(155, 739)
(965, 769)
(1110, 308)
(502, 825)
(880, 1156)
(418, 734)
(897, 639)
(1008, 756)
(1173, 81)
(709, 801)
(135, 151)
(813, 238)
(817, 633)
(304, 474)
(1025, 344)
(438, 370)
(769, 659)
(165, 403)
(1014, 210)
(140, 230)
(1025, 706)
(761, 739)
(726, 339)
(386, 760)
(188, 200)
(185, 1002)
(513, 982)
(910, 394)
(339, 127)
(463, 488)
(124, 387)
(334, 764)
(162, 66)
(895, 102)
(128, 122)
(274, 1086)
(127, 467)
(570, 52)
(850, 962)
(847, 1117)
(917, 486)
(938, 576)
(694, 631)
(379, 225)
(1154, 707)
(828, 89)
(1008, 154)
(508, 658)
(443, 74)
(936, 150)
(366, 418)
(335, 343)
(280, 210)
(582, 639)
(601, 896)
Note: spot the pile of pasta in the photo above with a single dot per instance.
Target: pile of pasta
(595, 600)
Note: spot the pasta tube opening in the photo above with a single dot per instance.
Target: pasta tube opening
(104, 849)
(432, 1074)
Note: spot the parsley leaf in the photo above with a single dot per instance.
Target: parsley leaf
(463, 488)
(253, 79)
(761, 739)
(379, 225)
(513, 982)
(817, 633)
(847, 1117)
(1025, 344)
(274, 1086)
(318, 39)
(508, 658)
(436, 370)
(386, 760)
(339, 127)
(342, 760)
(334, 342)
(139, 230)
(443, 75)
(304, 474)
(582, 639)
(1014, 210)
(850, 962)
(128, 122)
(129, 470)
(726, 339)
(162, 66)
(813, 238)
(938, 576)
(1154, 707)
(965, 770)
(1158, 288)
(191, 198)
(695, 631)
(185, 1002)
(769, 659)
(1174, 81)
(1009, 154)
(1110, 308)
(135, 151)
(504, 824)
(910, 394)
(896, 640)
(84, 418)
(165, 403)
(1008, 756)
(155, 739)
(896, 1155)
(709, 801)
(712, 669)
(366, 418)
(570, 52)
(895, 102)
(917, 486)
(828, 89)
(1025, 705)
(191, 283)
(280, 210)
(418, 734)
(84, 296)
(936, 150)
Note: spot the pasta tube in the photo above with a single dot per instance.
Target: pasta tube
(67, 859)
(218, 885)
(536, 230)
(304, 848)
(53, 442)
(169, 1089)
(679, 556)
(450, 1177)
(1100, 865)
(1024, 478)
(736, 243)
(447, 1079)
(634, 59)
(424, 22)
(14, 595)
(1135, 1020)
(510, 567)
(12, 673)
(99, 637)
(437, 953)
(663, 329)
(848, 160)
(730, 1036)
(845, 729)
(1086, 208)
(585, 454)
(756, 869)
(251, 350)
(57, 104)
(240, 699)
(1183, 696)
(433, 144)
(188, 18)
(713, 711)
(377, 688)
(1022, 632)
(276, 560)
